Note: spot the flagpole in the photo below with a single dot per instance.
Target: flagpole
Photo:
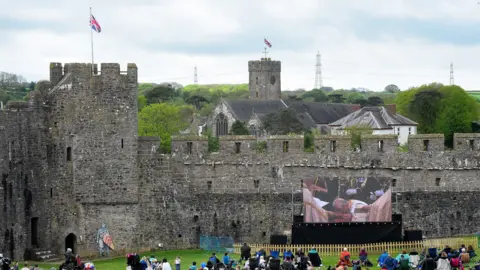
(91, 38)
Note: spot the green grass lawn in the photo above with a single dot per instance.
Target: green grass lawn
(187, 257)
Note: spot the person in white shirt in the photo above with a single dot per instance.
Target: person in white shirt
(166, 265)
(25, 267)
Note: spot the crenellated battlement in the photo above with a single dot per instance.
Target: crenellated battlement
(285, 144)
(264, 65)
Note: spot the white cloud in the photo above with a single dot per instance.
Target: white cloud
(137, 32)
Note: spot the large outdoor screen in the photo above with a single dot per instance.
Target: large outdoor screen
(358, 199)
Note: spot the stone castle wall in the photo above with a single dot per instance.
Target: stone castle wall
(72, 161)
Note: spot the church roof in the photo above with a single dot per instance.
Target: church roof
(375, 117)
(322, 113)
(243, 109)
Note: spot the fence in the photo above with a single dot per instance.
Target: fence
(374, 248)
(217, 244)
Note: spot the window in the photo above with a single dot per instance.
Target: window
(426, 144)
(437, 182)
(394, 182)
(10, 147)
(189, 147)
(398, 131)
(285, 146)
(256, 79)
(333, 146)
(209, 185)
(256, 94)
(472, 144)
(256, 183)
(237, 147)
(69, 153)
(221, 125)
(51, 192)
(380, 146)
(409, 131)
(253, 130)
(122, 143)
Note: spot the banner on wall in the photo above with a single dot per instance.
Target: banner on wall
(358, 199)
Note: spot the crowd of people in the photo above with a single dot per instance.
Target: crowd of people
(429, 259)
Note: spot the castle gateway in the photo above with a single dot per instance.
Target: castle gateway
(75, 174)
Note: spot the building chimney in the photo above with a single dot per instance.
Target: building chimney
(356, 107)
(391, 108)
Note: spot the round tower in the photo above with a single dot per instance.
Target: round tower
(264, 79)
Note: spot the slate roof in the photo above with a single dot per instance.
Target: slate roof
(243, 109)
(322, 113)
(375, 117)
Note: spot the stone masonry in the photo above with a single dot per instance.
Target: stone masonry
(72, 160)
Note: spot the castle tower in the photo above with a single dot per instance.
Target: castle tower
(56, 73)
(264, 79)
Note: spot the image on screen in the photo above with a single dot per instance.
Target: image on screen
(357, 199)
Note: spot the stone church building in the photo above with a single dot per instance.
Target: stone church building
(266, 97)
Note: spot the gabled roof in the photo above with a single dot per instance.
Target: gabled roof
(322, 113)
(375, 117)
(243, 109)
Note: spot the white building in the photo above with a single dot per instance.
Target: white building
(383, 120)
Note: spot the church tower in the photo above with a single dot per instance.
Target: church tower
(264, 79)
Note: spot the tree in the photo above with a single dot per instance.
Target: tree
(141, 102)
(238, 128)
(159, 93)
(457, 110)
(392, 88)
(196, 101)
(360, 101)
(425, 108)
(374, 101)
(161, 120)
(316, 95)
(336, 98)
(282, 122)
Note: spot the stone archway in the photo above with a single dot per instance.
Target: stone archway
(71, 242)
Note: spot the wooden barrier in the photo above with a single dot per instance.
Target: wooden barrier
(374, 248)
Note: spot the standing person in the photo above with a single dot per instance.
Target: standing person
(166, 265)
(245, 252)
(226, 259)
(25, 266)
(177, 263)
(403, 263)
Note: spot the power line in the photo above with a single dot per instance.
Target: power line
(318, 72)
(452, 81)
(195, 76)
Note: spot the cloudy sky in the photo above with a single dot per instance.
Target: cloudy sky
(364, 43)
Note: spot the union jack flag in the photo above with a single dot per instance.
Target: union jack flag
(95, 25)
(267, 43)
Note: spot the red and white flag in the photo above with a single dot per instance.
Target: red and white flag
(267, 43)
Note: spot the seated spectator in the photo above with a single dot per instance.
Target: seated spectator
(262, 263)
(471, 251)
(443, 263)
(390, 263)
(314, 258)
(363, 257)
(404, 254)
(382, 258)
(414, 258)
(345, 258)
(403, 263)
(455, 263)
(433, 252)
(447, 249)
(288, 264)
(275, 254)
(464, 257)
(226, 259)
(274, 264)
(213, 259)
(429, 263)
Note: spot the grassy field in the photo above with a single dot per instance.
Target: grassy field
(187, 257)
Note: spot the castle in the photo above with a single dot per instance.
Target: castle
(72, 161)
